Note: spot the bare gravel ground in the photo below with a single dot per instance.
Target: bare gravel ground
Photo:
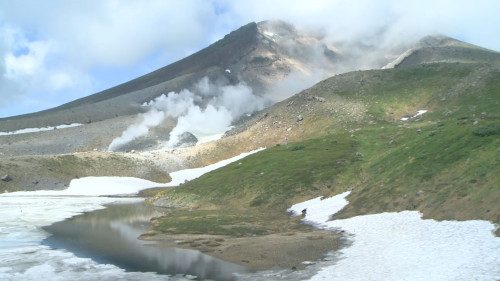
(290, 250)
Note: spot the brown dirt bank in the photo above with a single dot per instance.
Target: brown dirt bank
(281, 250)
(35, 172)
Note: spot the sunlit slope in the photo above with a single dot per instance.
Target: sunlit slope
(432, 49)
(444, 162)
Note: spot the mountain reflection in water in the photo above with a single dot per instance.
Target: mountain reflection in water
(110, 236)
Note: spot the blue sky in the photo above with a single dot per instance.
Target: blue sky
(52, 52)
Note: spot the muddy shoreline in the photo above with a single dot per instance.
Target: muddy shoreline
(289, 250)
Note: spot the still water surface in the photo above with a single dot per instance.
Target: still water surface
(109, 236)
(100, 245)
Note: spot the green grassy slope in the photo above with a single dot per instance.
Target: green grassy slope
(266, 178)
(444, 163)
(249, 197)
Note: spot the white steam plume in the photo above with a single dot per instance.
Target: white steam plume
(205, 112)
(150, 119)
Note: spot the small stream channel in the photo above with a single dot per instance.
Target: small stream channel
(110, 236)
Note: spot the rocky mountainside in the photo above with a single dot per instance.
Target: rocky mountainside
(258, 55)
(432, 49)
(273, 58)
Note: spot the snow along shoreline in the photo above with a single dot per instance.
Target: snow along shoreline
(403, 246)
(114, 186)
(24, 213)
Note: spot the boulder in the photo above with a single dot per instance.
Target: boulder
(320, 99)
(186, 139)
(6, 178)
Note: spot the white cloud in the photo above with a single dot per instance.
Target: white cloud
(116, 33)
(28, 74)
(67, 41)
(57, 46)
(19, 66)
(60, 80)
(386, 21)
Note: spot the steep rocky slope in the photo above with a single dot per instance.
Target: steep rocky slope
(258, 54)
(432, 49)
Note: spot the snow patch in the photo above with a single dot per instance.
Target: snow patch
(102, 186)
(319, 210)
(399, 59)
(420, 112)
(96, 186)
(180, 177)
(269, 33)
(403, 246)
(35, 130)
(214, 137)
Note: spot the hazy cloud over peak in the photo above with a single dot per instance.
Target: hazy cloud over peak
(52, 52)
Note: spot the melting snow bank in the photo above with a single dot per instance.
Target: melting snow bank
(190, 174)
(107, 186)
(22, 257)
(34, 130)
(403, 246)
(94, 186)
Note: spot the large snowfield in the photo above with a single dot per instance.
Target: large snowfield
(403, 246)
(387, 246)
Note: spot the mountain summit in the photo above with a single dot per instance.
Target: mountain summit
(258, 54)
(272, 58)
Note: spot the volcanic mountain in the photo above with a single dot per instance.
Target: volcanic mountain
(258, 54)
(417, 130)
(272, 58)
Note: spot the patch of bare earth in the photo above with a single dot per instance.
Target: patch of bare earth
(288, 250)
